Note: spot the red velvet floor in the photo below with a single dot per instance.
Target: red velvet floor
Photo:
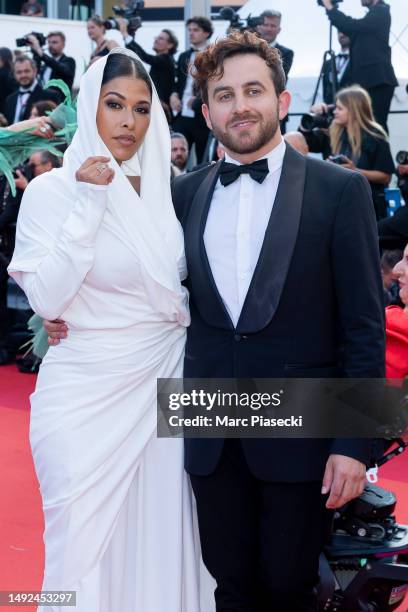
(21, 522)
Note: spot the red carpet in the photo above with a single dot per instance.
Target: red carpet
(21, 522)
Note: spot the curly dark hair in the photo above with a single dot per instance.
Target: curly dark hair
(203, 23)
(209, 63)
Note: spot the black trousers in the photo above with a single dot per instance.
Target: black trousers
(381, 98)
(261, 541)
(195, 131)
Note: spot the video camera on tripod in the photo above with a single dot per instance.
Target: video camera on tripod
(227, 13)
(132, 14)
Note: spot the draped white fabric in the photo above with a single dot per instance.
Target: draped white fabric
(117, 506)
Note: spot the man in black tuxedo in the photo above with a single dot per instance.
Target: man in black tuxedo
(370, 53)
(54, 64)
(184, 101)
(262, 230)
(343, 70)
(17, 106)
(269, 30)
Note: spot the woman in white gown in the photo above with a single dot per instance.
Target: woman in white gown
(92, 251)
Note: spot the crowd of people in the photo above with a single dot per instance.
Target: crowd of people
(352, 131)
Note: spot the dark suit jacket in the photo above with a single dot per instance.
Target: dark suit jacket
(321, 234)
(162, 71)
(181, 78)
(287, 57)
(63, 69)
(327, 82)
(370, 51)
(38, 93)
(7, 85)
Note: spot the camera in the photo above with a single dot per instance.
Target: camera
(402, 158)
(131, 14)
(227, 13)
(310, 121)
(335, 2)
(24, 42)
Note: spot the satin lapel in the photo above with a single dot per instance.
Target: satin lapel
(204, 290)
(279, 243)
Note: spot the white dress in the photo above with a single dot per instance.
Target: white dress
(117, 505)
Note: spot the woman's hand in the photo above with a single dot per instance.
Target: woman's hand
(95, 170)
(347, 163)
(42, 127)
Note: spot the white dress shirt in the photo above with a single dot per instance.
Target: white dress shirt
(22, 99)
(235, 230)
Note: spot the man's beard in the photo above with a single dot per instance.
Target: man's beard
(180, 163)
(242, 143)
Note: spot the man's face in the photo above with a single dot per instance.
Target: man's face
(24, 73)
(179, 152)
(270, 29)
(55, 45)
(344, 40)
(37, 166)
(162, 43)
(243, 109)
(197, 35)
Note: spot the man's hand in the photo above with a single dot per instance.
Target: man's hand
(34, 44)
(328, 4)
(344, 478)
(56, 330)
(21, 181)
(175, 103)
(402, 169)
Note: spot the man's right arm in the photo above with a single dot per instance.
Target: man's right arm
(371, 23)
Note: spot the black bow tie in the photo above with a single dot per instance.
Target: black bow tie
(258, 171)
(24, 91)
(343, 55)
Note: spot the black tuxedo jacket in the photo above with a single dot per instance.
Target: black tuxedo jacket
(370, 51)
(321, 240)
(287, 57)
(162, 71)
(345, 81)
(37, 94)
(63, 69)
(183, 63)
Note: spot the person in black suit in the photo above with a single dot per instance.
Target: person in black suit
(17, 106)
(343, 70)
(269, 30)
(163, 66)
(184, 101)
(55, 64)
(259, 238)
(370, 53)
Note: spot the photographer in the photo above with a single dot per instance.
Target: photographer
(370, 52)
(163, 66)
(55, 65)
(355, 140)
(343, 70)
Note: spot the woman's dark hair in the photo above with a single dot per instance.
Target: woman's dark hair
(121, 65)
(43, 106)
(6, 57)
(172, 39)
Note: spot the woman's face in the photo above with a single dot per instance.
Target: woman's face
(94, 31)
(341, 114)
(401, 272)
(123, 115)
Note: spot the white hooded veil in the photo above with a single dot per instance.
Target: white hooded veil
(148, 223)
